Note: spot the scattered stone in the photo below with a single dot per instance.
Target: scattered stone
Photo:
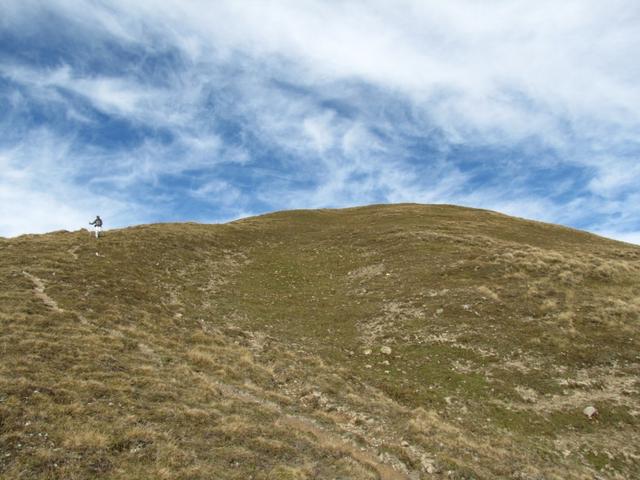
(367, 366)
(367, 351)
(386, 350)
(591, 412)
(404, 443)
(385, 362)
(439, 311)
(428, 464)
(527, 394)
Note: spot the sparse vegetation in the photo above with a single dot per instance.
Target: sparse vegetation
(254, 349)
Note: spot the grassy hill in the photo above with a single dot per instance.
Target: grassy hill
(383, 342)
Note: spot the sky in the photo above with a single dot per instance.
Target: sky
(209, 111)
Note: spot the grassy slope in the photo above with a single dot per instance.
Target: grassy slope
(252, 349)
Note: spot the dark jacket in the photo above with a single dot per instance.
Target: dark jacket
(97, 222)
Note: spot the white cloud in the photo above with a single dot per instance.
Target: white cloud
(628, 237)
(570, 59)
(120, 96)
(319, 131)
(615, 176)
(38, 195)
(220, 192)
(29, 211)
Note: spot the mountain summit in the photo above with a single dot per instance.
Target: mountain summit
(381, 342)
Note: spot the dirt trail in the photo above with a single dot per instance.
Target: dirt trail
(385, 472)
(39, 290)
(72, 251)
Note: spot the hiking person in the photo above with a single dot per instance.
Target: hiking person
(97, 225)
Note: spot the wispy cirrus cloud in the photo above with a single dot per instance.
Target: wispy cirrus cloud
(213, 110)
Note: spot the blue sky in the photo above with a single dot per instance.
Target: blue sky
(208, 111)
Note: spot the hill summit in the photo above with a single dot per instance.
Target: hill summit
(381, 342)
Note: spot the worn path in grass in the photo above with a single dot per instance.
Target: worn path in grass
(41, 294)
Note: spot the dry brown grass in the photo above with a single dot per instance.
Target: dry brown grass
(86, 439)
(487, 292)
(237, 351)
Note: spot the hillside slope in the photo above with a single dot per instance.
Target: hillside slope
(391, 342)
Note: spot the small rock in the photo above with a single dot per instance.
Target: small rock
(386, 350)
(591, 412)
(428, 464)
(385, 362)
(404, 443)
(367, 366)
(439, 311)
(367, 351)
